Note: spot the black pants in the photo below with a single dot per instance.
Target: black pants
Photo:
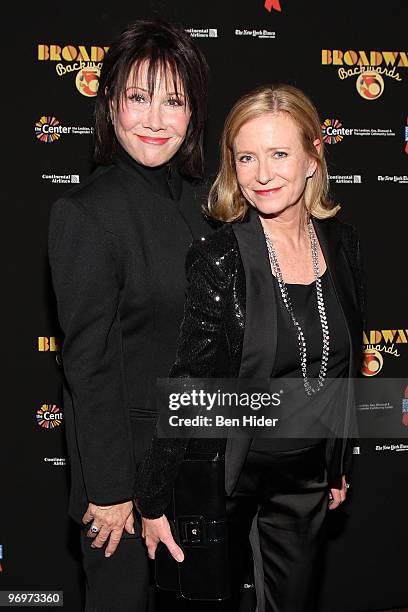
(119, 583)
(284, 497)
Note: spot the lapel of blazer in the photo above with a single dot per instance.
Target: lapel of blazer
(344, 284)
(343, 281)
(259, 342)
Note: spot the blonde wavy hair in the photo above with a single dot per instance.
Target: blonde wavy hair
(225, 200)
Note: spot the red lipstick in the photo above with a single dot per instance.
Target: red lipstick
(153, 140)
(266, 192)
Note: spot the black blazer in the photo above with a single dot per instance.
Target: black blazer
(117, 253)
(228, 331)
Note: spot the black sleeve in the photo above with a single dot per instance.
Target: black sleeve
(197, 347)
(86, 283)
(355, 256)
(361, 280)
(353, 248)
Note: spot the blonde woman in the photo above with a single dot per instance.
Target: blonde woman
(275, 292)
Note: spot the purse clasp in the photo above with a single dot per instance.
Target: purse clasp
(198, 531)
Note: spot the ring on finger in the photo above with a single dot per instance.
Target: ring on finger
(94, 529)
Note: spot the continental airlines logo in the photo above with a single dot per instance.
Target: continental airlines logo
(378, 343)
(49, 416)
(273, 5)
(84, 62)
(370, 68)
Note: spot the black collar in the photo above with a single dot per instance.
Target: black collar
(164, 180)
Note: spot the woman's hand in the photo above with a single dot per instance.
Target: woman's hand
(110, 522)
(158, 530)
(338, 494)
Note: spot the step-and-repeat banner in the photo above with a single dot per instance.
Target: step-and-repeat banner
(351, 60)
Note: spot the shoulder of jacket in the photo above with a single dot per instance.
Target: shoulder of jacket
(219, 243)
(219, 249)
(93, 199)
(97, 187)
(201, 186)
(346, 231)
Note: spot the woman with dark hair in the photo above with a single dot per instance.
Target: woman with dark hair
(275, 293)
(117, 247)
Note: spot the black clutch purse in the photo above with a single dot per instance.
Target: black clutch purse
(197, 518)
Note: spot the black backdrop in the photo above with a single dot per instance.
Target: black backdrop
(366, 130)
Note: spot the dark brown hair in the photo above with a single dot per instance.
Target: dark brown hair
(167, 49)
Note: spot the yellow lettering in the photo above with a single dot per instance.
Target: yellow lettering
(401, 337)
(350, 57)
(54, 344)
(83, 54)
(69, 53)
(97, 54)
(55, 53)
(337, 57)
(388, 335)
(375, 336)
(43, 344)
(326, 57)
(376, 58)
(390, 57)
(403, 59)
(43, 52)
(363, 59)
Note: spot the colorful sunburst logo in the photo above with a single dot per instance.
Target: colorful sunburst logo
(328, 127)
(48, 416)
(42, 132)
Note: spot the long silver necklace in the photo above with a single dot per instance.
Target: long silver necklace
(320, 305)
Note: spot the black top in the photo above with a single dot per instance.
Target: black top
(304, 304)
(117, 250)
(165, 180)
(287, 362)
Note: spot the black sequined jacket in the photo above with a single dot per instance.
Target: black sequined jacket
(228, 331)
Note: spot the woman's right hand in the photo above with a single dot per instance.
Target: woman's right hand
(158, 530)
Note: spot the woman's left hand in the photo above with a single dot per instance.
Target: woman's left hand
(158, 530)
(337, 495)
